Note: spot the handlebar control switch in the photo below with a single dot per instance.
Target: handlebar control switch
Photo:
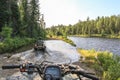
(22, 68)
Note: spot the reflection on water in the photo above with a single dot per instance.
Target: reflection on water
(101, 44)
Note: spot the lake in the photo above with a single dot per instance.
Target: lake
(99, 44)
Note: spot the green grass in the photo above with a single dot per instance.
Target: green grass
(106, 65)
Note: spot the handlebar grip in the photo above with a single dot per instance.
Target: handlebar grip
(91, 77)
(85, 75)
(10, 66)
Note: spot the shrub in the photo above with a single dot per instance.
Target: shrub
(110, 65)
(105, 59)
(106, 64)
(10, 45)
(113, 72)
(6, 32)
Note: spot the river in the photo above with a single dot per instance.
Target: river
(99, 44)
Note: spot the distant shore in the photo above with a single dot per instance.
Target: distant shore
(98, 35)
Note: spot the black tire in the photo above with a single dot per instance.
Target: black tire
(43, 49)
(35, 49)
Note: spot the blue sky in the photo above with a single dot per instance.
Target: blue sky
(70, 11)
(94, 8)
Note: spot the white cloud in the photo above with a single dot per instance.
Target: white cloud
(60, 12)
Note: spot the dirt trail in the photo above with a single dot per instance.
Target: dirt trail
(56, 50)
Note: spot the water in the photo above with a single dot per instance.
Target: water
(56, 51)
(101, 44)
(61, 51)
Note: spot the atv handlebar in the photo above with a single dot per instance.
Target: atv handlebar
(10, 66)
(64, 69)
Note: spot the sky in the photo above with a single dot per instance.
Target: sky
(71, 11)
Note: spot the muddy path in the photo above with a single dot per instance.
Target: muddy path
(56, 51)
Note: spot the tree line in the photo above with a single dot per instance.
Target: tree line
(23, 16)
(20, 24)
(102, 26)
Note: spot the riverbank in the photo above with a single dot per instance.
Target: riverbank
(98, 36)
(61, 38)
(105, 64)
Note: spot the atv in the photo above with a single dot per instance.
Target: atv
(39, 45)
